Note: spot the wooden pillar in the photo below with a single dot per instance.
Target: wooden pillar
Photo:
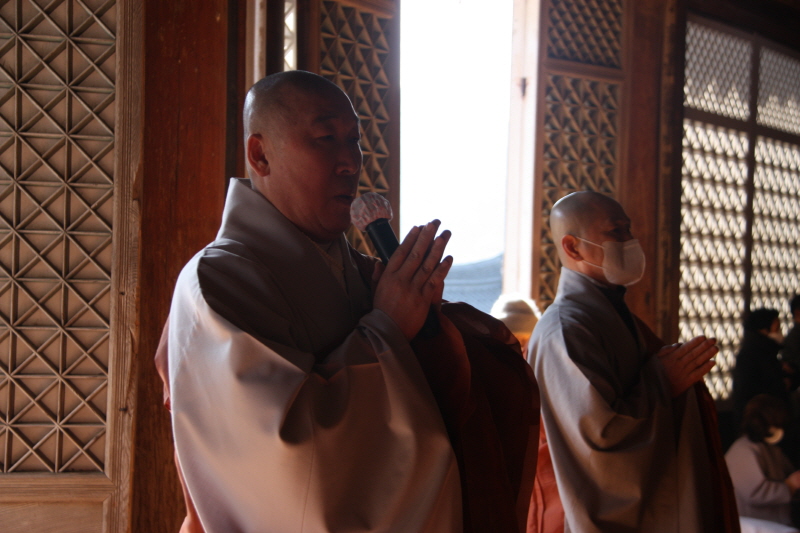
(640, 179)
(181, 184)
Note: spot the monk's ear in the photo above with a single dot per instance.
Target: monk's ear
(256, 155)
(568, 244)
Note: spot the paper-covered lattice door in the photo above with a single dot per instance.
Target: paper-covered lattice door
(64, 429)
(740, 238)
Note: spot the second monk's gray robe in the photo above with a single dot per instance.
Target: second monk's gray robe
(627, 457)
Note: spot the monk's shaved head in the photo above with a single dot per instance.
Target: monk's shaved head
(271, 101)
(303, 150)
(576, 213)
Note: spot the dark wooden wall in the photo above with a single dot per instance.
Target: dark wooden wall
(642, 190)
(776, 19)
(188, 149)
(651, 190)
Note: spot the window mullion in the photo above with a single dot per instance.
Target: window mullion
(750, 128)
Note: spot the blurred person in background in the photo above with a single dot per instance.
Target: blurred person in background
(520, 315)
(790, 354)
(764, 479)
(758, 369)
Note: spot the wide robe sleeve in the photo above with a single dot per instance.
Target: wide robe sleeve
(271, 437)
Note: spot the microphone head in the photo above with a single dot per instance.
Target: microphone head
(368, 208)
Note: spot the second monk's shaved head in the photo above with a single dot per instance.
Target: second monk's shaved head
(576, 212)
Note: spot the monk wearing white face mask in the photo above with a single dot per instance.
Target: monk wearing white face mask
(625, 416)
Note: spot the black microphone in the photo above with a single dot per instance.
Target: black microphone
(371, 213)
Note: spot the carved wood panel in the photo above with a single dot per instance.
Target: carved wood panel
(580, 154)
(57, 118)
(65, 263)
(588, 32)
(580, 86)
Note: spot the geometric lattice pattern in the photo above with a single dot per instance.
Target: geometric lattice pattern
(779, 91)
(776, 232)
(717, 72)
(57, 88)
(713, 224)
(289, 35)
(355, 50)
(716, 209)
(586, 31)
(580, 154)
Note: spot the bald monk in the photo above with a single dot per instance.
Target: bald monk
(302, 397)
(625, 417)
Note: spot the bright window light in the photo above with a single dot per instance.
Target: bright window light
(455, 87)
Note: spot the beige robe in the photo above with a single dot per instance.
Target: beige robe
(626, 456)
(296, 408)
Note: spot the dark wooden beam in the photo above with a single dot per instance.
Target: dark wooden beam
(774, 19)
(671, 171)
(236, 73)
(639, 184)
(181, 187)
(276, 20)
(308, 35)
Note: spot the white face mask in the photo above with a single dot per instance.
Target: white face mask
(623, 262)
(775, 435)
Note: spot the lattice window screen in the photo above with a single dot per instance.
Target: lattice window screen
(355, 51)
(776, 229)
(778, 93)
(580, 127)
(717, 77)
(712, 229)
(740, 185)
(290, 35)
(57, 79)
